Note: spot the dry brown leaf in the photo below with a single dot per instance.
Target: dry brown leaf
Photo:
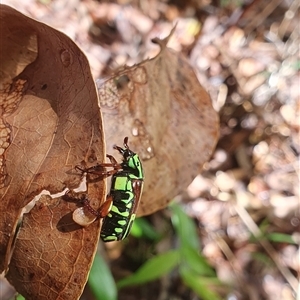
(169, 119)
(50, 122)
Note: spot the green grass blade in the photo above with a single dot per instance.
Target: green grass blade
(17, 297)
(196, 262)
(101, 281)
(185, 227)
(281, 238)
(154, 268)
(200, 285)
(142, 228)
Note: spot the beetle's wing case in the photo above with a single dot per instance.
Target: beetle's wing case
(126, 194)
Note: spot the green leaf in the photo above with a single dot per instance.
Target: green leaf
(154, 268)
(185, 227)
(296, 65)
(142, 228)
(264, 259)
(196, 262)
(101, 281)
(19, 297)
(136, 229)
(280, 238)
(264, 225)
(200, 285)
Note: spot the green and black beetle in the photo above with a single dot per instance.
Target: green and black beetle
(119, 209)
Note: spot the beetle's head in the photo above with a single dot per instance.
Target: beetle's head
(131, 160)
(126, 152)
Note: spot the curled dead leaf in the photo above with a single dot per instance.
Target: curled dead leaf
(50, 122)
(169, 119)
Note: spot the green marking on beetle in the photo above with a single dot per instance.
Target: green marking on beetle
(127, 201)
(110, 238)
(122, 222)
(129, 185)
(118, 229)
(117, 211)
(128, 205)
(121, 184)
(132, 218)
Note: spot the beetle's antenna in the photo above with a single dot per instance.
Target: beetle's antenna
(121, 150)
(126, 142)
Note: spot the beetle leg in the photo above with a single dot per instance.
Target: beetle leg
(105, 173)
(86, 203)
(70, 196)
(79, 168)
(105, 207)
(100, 169)
(102, 211)
(121, 150)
